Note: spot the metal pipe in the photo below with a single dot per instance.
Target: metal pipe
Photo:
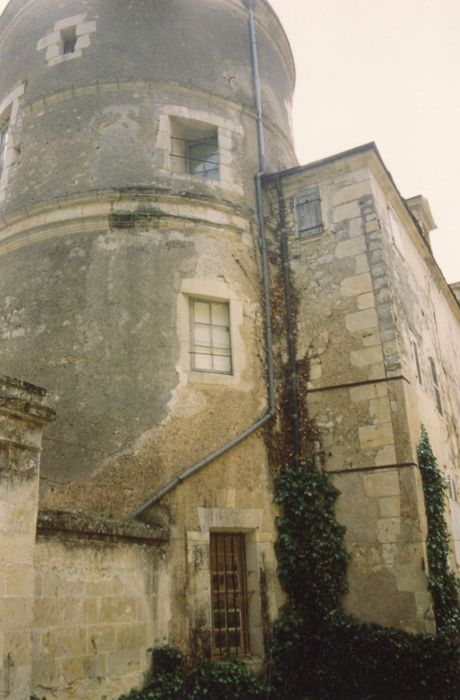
(291, 339)
(266, 292)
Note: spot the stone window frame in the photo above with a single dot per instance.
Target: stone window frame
(227, 131)
(396, 231)
(436, 386)
(209, 289)
(247, 522)
(416, 356)
(309, 196)
(9, 111)
(229, 594)
(54, 42)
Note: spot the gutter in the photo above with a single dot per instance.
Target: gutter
(250, 5)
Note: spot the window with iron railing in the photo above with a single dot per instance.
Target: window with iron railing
(230, 636)
(194, 148)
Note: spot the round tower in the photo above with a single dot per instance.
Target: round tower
(129, 273)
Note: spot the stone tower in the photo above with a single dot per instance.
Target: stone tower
(127, 207)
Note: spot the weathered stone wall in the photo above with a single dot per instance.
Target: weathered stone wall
(347, 326)
(103, 240)
(101, 600)
(23, 415)
(427, 318)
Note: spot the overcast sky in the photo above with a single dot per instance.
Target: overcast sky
(386, 72)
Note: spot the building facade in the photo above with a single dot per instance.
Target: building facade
(138, 239)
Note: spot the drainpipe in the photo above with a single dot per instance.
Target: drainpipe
(250, 5)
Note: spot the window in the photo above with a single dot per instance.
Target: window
(437, 392)
(308, 213)
(194, 148)
(396, 231)
(3, 139)
(417, 362)
(210, 336)
(229, 595)
(69, 39)
(451, 486)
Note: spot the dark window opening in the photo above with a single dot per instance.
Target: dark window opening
(437, 392)
(3, 139)
(417, 362)
(229, 595)
(69, 40)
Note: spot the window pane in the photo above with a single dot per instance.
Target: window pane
(202, 311)
(220, 338)
(203, 362)
(220, 314)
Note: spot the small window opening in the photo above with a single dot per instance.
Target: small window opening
(451, 486)
(308, 213)
(210, 336)
(230, 635)
(69, 40)
(437, 391)
(3, 139)
(194, 149)
(417, 362)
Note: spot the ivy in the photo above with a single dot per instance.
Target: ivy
(443, 584)
(317, 650)
(321, 652)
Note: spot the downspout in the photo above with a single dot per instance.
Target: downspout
(250, 4)
(291, 337)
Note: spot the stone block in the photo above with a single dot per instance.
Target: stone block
(101, 638)
(381, 484)
(354, 246)
(363, 392)
(355, 285)
(366, 356)
(349, 210)
(119, 662)
(388, 529)
(361, 320)
(390, 507)
(116, 610)
(366, 301)
(376, 435)
(385, 455)
(379, 410)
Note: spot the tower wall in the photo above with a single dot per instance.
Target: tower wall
(107, 235)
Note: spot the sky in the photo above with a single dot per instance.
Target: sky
(386, 72)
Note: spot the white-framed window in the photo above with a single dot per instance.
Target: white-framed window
(437, 391)
(210, 340)
(307, 206)
(195, 148)
(4, 126)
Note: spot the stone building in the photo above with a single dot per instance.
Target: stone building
(147, 176)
